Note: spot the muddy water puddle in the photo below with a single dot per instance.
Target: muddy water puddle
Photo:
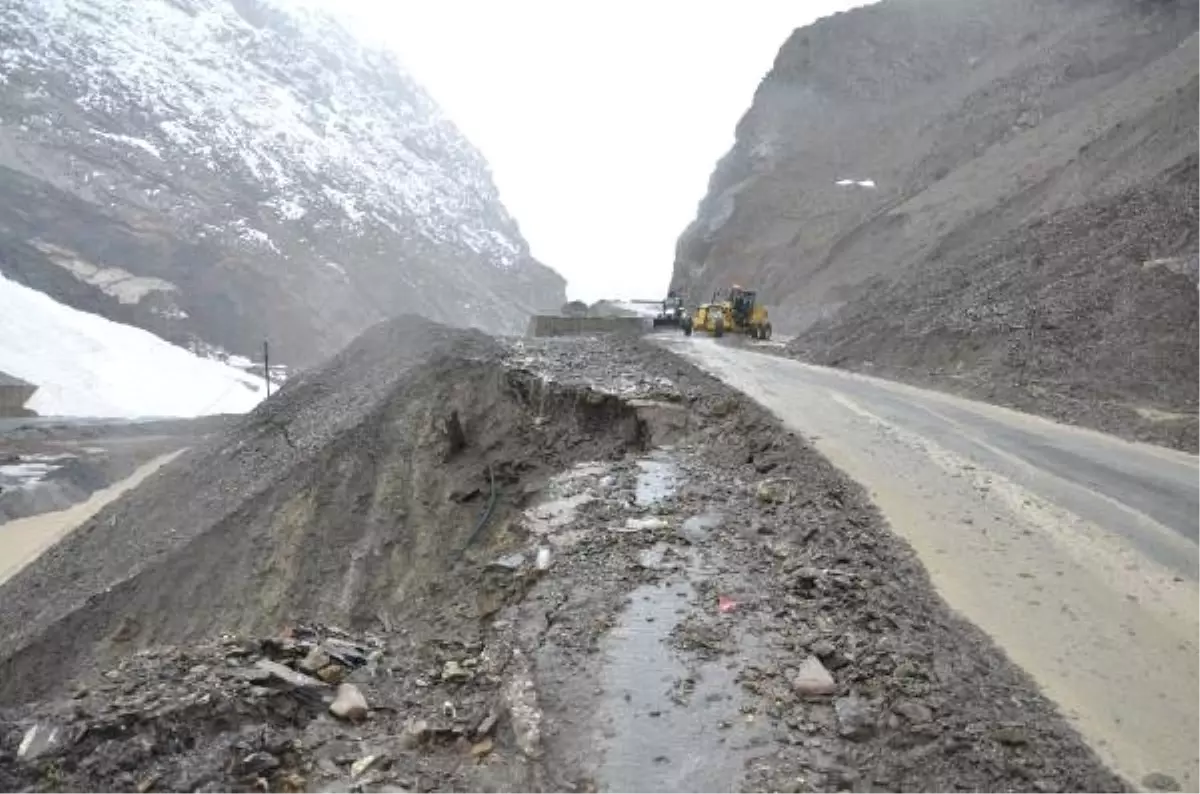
(667, 725)
(657, 481)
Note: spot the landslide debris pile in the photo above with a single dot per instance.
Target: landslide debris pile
(359, 482)
(1030, 234)
(660, 575)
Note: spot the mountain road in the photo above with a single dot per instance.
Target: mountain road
(1075, 551)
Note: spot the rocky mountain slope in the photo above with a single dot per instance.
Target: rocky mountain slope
(998, 198)
(224, 171)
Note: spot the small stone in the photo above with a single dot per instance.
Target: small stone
(415, 732)
(1011, 735)
(293, 783)
(364, 764)
(453, 671)
(255, 764)
(287, 674)
(776, 491)
(40, 740)
(349, 704)
(482, 748)
(314, 661)
(813, 679)
(511, 562)
(823, 649)
(1157, 781)
(855, 716)
(487, 725)
(915, 713)
(332, 673)
(640, 524)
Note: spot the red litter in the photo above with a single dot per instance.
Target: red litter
(725, 604)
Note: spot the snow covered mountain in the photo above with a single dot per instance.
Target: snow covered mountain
(224, 171)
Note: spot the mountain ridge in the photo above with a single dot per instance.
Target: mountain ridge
(256, 169)
(975, 127)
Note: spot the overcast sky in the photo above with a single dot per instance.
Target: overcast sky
(601, 121)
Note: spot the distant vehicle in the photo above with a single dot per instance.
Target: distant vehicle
(673, 314)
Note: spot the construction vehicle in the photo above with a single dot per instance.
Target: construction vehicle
(673, 314)
(739, 312)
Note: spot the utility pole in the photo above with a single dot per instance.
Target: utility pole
(267, 367)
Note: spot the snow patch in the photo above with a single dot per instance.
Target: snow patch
(128, 140)
(86, 365)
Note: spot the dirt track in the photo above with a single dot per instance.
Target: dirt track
(1075, 551)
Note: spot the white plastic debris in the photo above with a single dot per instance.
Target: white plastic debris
(543, 558)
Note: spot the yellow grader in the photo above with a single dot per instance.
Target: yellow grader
(739, 312)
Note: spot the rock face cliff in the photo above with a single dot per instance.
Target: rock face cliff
(224, 171)
(999, 198)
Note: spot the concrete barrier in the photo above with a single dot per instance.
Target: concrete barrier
(549, 325)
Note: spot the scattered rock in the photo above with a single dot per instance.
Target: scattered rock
(487, 724)
(365, 764)
(314, 661)
(332, 673)
(914, 712)
(510, 562)
(1157, 781)
(349, 704)
(776, 491)
(287, 674)
(41, 740)
(1011, 735)
(813, 679)
(415, 732)
(823, 649)
(653, 557)
(453, 671)
(855, 716)
(255, 764)
(641, 524)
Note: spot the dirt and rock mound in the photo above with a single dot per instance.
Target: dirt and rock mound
(977, 196)
(563, 564)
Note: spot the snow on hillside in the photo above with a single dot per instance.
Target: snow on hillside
(85, 365)
(219, 81)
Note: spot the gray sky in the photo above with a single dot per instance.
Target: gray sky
(601, 121)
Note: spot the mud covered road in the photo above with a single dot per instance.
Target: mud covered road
(1076, 551)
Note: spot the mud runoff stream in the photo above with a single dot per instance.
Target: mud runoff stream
(668, 726)
(22, 540)
(647, 716)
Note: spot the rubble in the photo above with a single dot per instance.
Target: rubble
(349, 704)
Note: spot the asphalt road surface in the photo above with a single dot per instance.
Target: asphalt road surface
(1076, 551)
